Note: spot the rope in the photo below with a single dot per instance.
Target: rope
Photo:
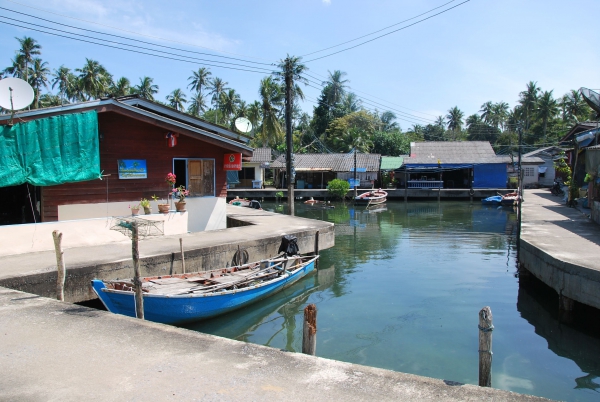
(240, 257)
(486, 329)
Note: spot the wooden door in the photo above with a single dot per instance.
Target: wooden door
(195, 177)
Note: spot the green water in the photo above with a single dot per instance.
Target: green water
(402, 289)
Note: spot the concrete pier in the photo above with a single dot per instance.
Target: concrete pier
(53, 351)
(255, 231)
(561, 247)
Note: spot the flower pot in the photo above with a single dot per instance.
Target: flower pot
(147, 210)
(135, 211)
(180, 206)
(163, 208)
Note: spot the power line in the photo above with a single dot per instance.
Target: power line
(131, 32)
(380, 30)
(121, 37)
(389, 33)
(131, 50)
(134, 46)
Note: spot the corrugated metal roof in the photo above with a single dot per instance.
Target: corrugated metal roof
(331, 162)
(458, 152)
(391, 162)
(263, 154)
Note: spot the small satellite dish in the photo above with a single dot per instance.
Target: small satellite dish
(15, 94)
(592, 98)
(243, 124)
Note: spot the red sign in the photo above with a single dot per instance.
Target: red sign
(232, 162)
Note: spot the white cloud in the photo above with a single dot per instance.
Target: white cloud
(327, 2)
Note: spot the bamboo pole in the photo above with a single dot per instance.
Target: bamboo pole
(182, 255)
(309, 331)
(135, 252)
(60, 266)
(485, 347)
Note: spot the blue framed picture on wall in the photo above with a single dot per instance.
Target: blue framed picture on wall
(132, 169)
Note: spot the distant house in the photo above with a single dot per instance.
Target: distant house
(254, 168)
(388, 165)
(461, 164)
(546, 173)
(578, 138)
(316, 170)
(98, 158)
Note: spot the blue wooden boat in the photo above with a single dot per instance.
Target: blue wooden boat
(493, 200)
(181, 298)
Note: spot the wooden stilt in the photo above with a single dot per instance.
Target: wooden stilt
(317, 248)
(139, 299)
(485, 347)
(309, 331)
(182, 255)
(60, 266)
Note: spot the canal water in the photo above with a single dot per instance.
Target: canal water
(402, 289)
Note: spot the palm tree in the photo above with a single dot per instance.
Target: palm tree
(440, 121)
(217, 86)
(528, 101)
(197, 104)
(121, 88)
(487, 113)
(94, 79)
(335, 87)
(351, 103)
(17, 69)
(63, 78)
(455, 116)
(199, 79)
(254, 114)
(500, 113)
(272, 98)
(29, 48)
(146, 89)
(387, 118)
(229, 103)
(547, 108)
(38, 78)
(48, 100)
(574, 106)
(176, 99)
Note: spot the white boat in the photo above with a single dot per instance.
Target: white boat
(372, 197)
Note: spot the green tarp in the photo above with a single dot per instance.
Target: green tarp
(50, 151)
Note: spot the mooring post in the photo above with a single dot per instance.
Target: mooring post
(405, 187)
(485, 347)
(139, 300)
(317, 248)
(309, 331)
(60, 266)
(182, 256)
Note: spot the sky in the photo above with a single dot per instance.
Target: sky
(479, 51)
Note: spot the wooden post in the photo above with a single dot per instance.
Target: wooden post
(405, 186)
(309, 331)
(60, 266)
(485, 347)
(317, 248)
(182, 255)
(139, 300)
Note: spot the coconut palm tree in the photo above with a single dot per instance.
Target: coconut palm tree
(197, 104)
(62, 78)
(500, 113)
(199, 79)
(487, 113)
(254, 114)
(440, 121)
(146, 89)
(455, 116)
(574, 106)
(94, 78)
(176, 99)
(29, 48)
(387, 120)
(48, 100)
(335, 87)
(217, 86)
(272, 98)
(547, 108)
(350, 104)
(38, 78)
(17, 68)
(528, 101)
(122, 87)
(229, 103)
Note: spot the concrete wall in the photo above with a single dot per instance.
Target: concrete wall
(206, 213)
(30, 238)
(573, 281)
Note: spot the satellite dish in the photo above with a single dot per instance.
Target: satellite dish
(592, 98)
(243, 124)
(15, 94)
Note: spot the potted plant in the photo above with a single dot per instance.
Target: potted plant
(180, 192)
(162, 207)
(145, 203)
(135, 209)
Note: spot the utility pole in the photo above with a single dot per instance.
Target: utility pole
(355, 186)
(288, 132)
(520, 192)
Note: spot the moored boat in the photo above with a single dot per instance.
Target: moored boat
(494, 200)
(510, 199)
(372, 197)
(175, 299)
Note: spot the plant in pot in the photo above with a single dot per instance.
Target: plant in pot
(145, 203)
(135, 209)
(162, 207)
(180, 193)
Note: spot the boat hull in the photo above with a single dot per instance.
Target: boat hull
(178, 309)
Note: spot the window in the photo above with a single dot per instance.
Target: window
(528, 171)
(197, 175)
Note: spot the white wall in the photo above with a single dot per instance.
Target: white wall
(206, 213)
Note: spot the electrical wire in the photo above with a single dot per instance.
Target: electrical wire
(380, 30)
(389, 33)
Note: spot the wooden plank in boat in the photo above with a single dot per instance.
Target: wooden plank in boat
(168, 281)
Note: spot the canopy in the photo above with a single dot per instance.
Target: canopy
(50, 151)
